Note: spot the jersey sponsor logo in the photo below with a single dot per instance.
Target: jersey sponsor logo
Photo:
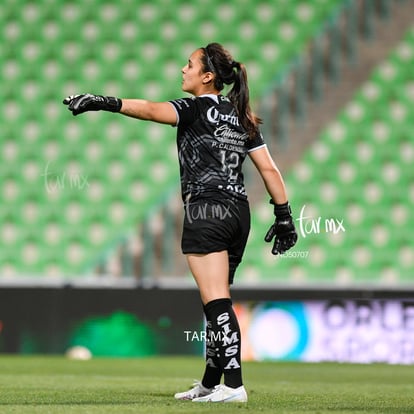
(214, 116)
(234, 188)
(229, 134)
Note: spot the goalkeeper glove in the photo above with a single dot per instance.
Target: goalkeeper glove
(88, 102)
(283, 230)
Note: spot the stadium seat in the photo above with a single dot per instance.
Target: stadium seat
(63, 168)
(358, 171)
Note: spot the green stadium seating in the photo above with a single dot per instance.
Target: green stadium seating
(71, 187)
(359, 171)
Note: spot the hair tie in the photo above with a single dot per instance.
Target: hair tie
(235, 64)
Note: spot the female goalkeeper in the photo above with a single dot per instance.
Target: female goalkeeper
(214, 135)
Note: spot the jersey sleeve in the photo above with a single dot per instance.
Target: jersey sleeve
(187, 110)
(256, 142)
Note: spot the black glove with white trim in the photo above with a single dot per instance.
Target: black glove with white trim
(88, 102)
(283, 230)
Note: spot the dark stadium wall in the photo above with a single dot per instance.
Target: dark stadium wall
(142, 322)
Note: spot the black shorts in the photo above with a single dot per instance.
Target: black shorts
(212, 225)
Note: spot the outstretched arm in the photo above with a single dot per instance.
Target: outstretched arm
(162, 112)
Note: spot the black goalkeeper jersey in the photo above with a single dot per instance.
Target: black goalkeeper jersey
(212, 145)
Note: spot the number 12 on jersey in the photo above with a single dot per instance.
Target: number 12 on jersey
(230, 162)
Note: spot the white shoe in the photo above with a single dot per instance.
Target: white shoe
(198, 390)
(222, 393)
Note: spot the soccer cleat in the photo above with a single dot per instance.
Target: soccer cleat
(198, 390)
(222, 393)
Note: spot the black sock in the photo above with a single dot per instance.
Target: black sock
(213, 372)
(225, 333)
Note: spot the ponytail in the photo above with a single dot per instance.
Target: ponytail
(240, 97)
(219, 61)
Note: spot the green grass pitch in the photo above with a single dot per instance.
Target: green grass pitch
(58, 385)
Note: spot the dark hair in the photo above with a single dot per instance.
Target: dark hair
(219, 61)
